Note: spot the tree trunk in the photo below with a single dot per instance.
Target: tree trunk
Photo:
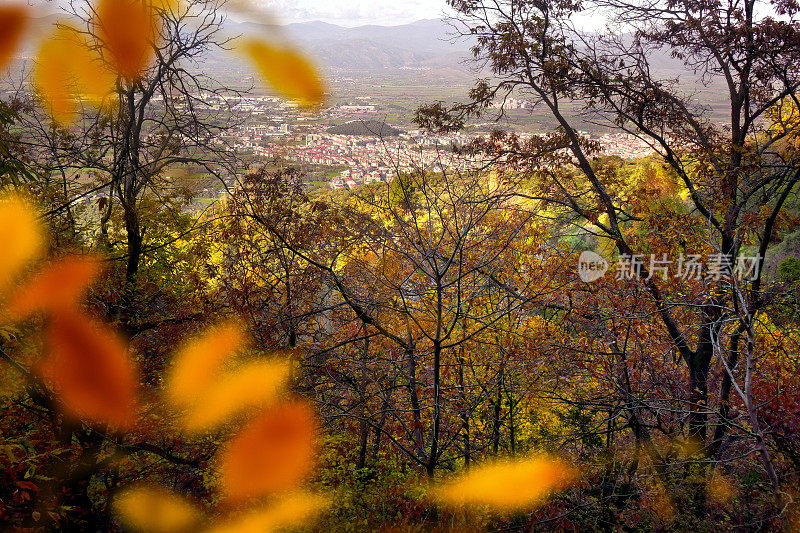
(698, 398)
(416, 409)
(134, 243)
(699, 364)
(724, 394)
(362, 454)
(498, 405)
(512, 433)
(464, 409)
(376, 445)
(432, 459)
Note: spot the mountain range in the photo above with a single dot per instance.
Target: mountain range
(429, 46)
(422, 44)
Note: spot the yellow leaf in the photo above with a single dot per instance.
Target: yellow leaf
(292, 511)
(13, 21)
(21, 237)
(252, 385)
(287, 71)
(508, 485)
(155, 510)
(67, 68)
(198, 364)
(274, 453)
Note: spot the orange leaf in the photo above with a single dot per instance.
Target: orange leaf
(509, 485)
(54, 80)
(13, 20)
(252, 385)
(198, 364)
(273, 453)
(287, 71)
(89, 368)
(127, 29)
(59, 286)
(21, 237)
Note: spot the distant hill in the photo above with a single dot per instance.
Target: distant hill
(369, 48)
(426, 51)
(430, 37)
(365, 128)
(362, 55)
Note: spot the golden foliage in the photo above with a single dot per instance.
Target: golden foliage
(21, 235)
(662, 505)
(57, 287)
(720, 489)
(273, 453)
(88, 366)
(13, 20)
(508, 485)
(288, 71)
(156, 510)
(291, 511)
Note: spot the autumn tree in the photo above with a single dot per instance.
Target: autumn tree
(120, 97)
(156, 116)
(736, 173)
(397, 291)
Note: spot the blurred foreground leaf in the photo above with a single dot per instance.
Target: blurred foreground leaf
(13, 21)
(197, 364)
(127, 29)
(68, 69)
(59, 286)
(508, 485)
(292, 511)
(274, 453)
(21, 237)
(89, 368)
(287, 71)
(253, 385)
(155, 510)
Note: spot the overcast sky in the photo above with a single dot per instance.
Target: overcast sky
(355, 12)
(341, 12)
